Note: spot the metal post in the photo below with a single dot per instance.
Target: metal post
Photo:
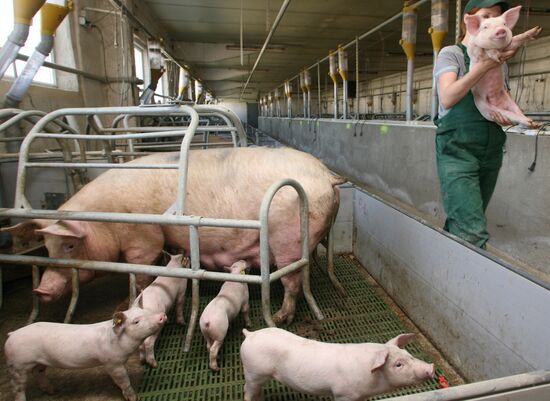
(195, 299)
(318, 90)
(409, 96)
(458, 19)
(435, 101)
(357, 76)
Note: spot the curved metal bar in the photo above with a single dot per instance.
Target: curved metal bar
(229, 114)
(264, 248)
(22, 115)
(74, 296)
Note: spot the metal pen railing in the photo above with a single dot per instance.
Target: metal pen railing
(175, 215)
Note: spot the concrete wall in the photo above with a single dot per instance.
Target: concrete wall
(399, 160)
(487, 320)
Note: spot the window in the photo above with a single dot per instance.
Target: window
(140, 70)
(44, 75)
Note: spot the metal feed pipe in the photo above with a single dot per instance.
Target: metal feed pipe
(366, 34)
(408, 43)
(288, 94)
(156, 67)
(438, 30)
(51, 16)
(343, 71)
(267, 40)
(307, 86)
(333, 73)
(23, 12)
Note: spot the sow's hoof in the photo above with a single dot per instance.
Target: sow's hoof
(283, 318)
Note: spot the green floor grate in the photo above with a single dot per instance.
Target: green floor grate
(362, 316)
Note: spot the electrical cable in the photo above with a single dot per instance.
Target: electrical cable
(534, 164)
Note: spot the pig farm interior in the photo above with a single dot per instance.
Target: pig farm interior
(298, 136)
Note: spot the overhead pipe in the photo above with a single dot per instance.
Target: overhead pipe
(343, 71)
(307, 85)
(23, 13)
(288, 94)
(333, 73)
(156, 68)
(267, 40)
(408, 43)
(438, 30)
(51, 15)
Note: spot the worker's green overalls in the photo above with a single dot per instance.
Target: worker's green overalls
(469, 155)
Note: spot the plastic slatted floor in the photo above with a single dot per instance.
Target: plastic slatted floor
(362, 316)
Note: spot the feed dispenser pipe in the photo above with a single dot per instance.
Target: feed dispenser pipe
(333, 73)
(343, 71)
(438, 30)
(408, 43)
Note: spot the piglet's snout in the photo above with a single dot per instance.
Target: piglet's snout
(429, 371)
(162, 318)
(500, 33)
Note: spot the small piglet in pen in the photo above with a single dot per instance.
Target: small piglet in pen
(159, 296)
(215, 319)
(76, 346)
(346, 372)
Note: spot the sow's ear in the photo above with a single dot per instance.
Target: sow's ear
(401, 340)
(24, 233)
(65, 228)
(473, 22)
(511, 16)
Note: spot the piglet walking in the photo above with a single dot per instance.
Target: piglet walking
(488, 37)
(346, 372)
(159, 296)
(214, 321)
(73, 346)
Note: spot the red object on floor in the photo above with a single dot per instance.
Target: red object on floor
(443, 383)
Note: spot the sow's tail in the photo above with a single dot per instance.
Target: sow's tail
(336, 179)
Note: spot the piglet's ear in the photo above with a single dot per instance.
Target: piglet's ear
(118, 322)
(401, 340)
(379, 359)
(473, 22)
(511, 16)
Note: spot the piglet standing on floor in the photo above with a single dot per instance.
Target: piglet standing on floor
(73, 346)
(488, 38)
(346, 372)
(214, 321)
(159, 296)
